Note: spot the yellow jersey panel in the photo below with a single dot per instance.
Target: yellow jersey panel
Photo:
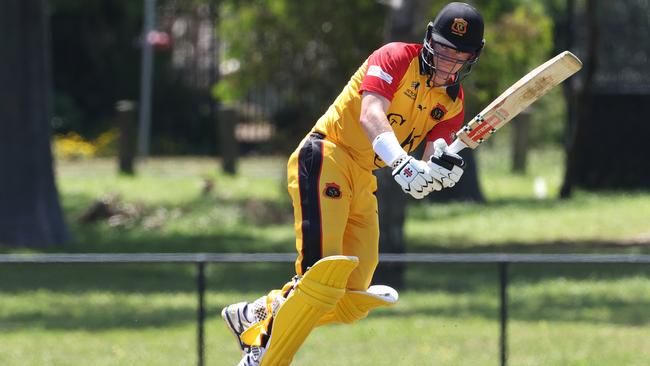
(416, 108)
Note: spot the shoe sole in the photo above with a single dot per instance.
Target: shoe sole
(231, 328)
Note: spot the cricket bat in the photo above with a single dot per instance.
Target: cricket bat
(515, 99)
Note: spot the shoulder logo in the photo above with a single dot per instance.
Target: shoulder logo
(376, 70)
(438, 112)
(413, 91)
(332, 190)
(459, 27)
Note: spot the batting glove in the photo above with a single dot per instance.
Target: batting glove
(415, 177)
(445, 167)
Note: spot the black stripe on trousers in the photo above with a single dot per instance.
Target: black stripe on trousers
(310, 163)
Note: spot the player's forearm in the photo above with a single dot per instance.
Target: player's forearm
(375, 124)
(373, 115)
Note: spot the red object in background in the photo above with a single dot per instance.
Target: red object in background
(159, 40)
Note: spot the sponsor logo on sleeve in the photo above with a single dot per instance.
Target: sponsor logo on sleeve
(376, 70)
(332, 190)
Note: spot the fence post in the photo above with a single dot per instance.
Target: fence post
(228, 147)
(200, 278)
(503, 295)
(127, 135)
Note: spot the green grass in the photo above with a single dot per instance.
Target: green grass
(145, 315)
(560, 314)
(587, 222)
(252, 212)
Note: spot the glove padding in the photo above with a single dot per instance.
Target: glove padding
(445, 167)
(414, 176)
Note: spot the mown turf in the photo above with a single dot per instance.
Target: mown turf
(560, 314)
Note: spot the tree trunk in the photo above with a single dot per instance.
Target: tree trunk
(30, 214)
(520, 127)
(583, 108)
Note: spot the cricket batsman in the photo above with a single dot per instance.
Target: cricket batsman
(402, 95)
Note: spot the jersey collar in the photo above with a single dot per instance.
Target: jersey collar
(453, 91)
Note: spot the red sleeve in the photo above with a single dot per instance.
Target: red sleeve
(448, 128)
(386, 68)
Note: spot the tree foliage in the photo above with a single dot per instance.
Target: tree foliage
(303, 51)
(299, 52)
(519, 37)
(308, 50)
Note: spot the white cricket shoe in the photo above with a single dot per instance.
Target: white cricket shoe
(237, 320)
(253, 356)
(242, 315)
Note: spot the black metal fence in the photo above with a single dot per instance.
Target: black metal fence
(201, 259)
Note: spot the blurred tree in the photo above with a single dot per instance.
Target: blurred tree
(520, 40)
(96, 59)
(300, 52)
(30, 213)
(607, 149)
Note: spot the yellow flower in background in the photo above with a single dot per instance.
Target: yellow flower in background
(73, 146)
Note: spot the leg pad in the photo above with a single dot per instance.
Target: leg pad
(356, 305)
(315, 294)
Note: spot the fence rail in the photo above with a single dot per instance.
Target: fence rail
(290, 257)
(201, 259)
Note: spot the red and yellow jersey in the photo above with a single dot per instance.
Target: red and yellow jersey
(417, 111)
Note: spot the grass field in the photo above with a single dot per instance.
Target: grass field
(448, 314)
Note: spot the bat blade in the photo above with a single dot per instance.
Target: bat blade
(515, 99)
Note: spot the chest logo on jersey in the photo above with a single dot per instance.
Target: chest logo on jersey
(438, 112)
(412, 92)
(332, 190)
(395, 119)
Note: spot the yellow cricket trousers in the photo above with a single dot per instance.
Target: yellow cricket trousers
(334, 206)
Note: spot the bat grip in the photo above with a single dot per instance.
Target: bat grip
(456, 146)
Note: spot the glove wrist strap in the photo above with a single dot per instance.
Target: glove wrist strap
(388, 148)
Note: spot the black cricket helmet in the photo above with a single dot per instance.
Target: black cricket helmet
(458, 26)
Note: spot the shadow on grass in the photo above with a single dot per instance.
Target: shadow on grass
(94, 317)
(469, 277)
(472, 287)
(465, 291)
(555, 247)
(142, 278)
(476, 287)
(579, 309)
(115, 283)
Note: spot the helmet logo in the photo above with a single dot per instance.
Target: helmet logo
(459, 27)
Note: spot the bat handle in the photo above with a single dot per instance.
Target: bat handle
(456, 146)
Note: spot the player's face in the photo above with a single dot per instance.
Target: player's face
(447, 62)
